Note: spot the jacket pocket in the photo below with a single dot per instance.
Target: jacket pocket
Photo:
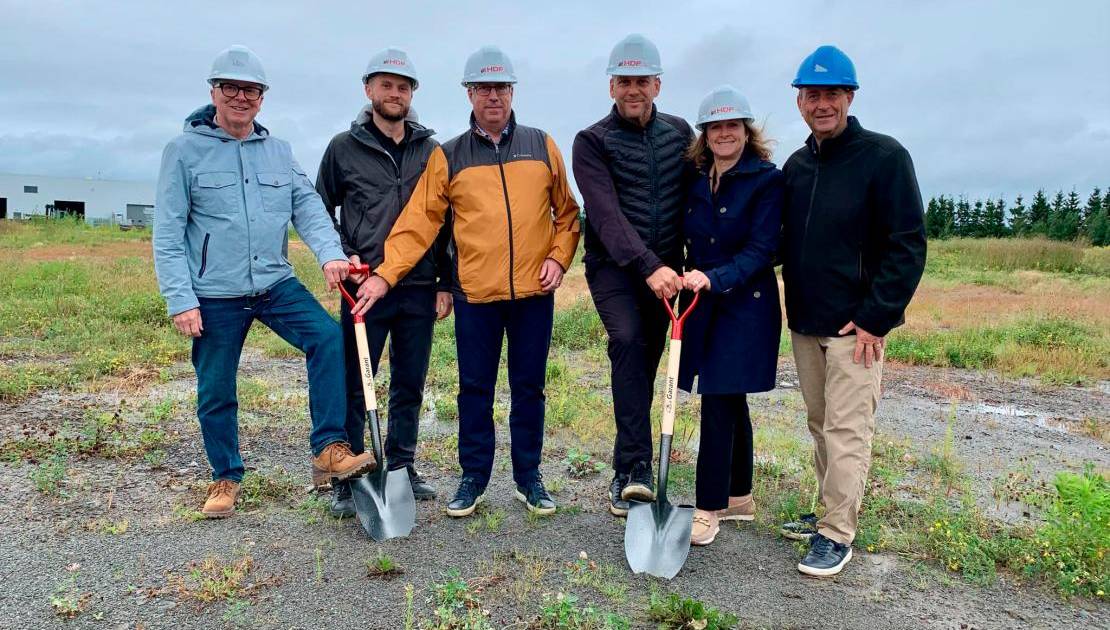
(204, 255)
(277, 191)
(214, 192)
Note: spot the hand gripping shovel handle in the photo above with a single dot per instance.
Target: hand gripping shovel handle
(366, 370)
(670, 393)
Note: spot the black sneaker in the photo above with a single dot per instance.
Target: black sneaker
(639, 486)
(826, 557)
(535, 498)
(802, 529)
(467, 498)
(421, 490)
(617, 505)
(342, 504)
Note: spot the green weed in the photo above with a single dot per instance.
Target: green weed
(456, 606)
(48, 474)
(581, 463)
(673, 611)
(563, 612)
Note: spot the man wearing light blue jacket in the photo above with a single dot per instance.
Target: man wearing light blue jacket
(227, 191)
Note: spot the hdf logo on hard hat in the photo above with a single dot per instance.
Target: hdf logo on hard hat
(630, 63)
(724, 109)
(492, 69)
(393, 62)
(819, 68)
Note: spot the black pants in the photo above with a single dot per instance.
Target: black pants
(725, 454)
(637, 326)
(407, 315)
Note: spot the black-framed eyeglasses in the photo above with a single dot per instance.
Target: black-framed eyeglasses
(250, 92)
(484, 89)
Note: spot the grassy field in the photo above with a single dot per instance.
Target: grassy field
(81, 311)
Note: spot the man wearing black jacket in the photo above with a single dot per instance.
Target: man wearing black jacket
(853, 254)
(629, 167)
(370, 172)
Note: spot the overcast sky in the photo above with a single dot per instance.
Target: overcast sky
(989, 97)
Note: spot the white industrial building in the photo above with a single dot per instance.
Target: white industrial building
(96, 200)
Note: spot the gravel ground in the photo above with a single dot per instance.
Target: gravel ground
(309, 574)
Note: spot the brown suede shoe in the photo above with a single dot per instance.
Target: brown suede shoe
(337, 461)
(739, 509)
(220, 503)
(705, 529)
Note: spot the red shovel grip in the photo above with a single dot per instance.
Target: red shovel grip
(355, 270)
(678, 321)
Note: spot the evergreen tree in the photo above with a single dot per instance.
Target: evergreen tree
(1090, 211)
(1039, 211)
(1066, 214)
(977, 222)
(1019, 217)
(993, 225)
(1098, 227)
(961, 217)
(1000, 218)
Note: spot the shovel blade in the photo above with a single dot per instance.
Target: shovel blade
(385, 505)
(657, 538)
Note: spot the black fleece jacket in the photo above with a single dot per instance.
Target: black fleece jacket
(853, 244)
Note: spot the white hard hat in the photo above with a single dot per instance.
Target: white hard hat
(238, 63)
(393, 61)
(723, 103)
(634, 56)
(488, 65)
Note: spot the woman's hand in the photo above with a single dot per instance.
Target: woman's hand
(695, 281)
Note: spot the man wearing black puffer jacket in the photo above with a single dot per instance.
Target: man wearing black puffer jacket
(853, 253)
(369, 172)
(630, 168)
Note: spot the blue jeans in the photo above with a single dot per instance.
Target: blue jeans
(479, 331)
(293, 313)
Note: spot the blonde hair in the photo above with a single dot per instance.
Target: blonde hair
(699, 153)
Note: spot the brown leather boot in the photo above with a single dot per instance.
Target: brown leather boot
(739, 509)
(220, 503)
(337, 461)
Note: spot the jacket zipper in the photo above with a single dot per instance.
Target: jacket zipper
(812, 196)
(654, 191)
(204, 255)
(509, 215)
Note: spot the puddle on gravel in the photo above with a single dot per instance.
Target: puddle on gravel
(1039, 419)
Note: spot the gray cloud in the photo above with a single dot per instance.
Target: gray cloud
(990, 97)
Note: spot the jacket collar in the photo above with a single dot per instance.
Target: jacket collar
(203, 122)
(749, 163)
(832, 145)
(629, 125)
(506, 133)
(359, 130)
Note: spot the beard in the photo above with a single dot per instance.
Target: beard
(390, 116)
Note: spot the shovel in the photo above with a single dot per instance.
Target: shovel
(657, 534)
(383, 499)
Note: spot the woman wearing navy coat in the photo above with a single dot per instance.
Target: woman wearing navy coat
(731, 341)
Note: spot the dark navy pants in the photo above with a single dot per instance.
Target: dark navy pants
(479, 331)
(408, 316)
(725, 454)
(293, 313)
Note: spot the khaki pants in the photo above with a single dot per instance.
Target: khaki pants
(841, 398)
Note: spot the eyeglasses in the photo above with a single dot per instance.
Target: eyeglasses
(251, 93)
(483, 89)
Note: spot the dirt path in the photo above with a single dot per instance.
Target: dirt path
(311, 572)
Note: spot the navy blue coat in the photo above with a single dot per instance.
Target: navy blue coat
(731, 341)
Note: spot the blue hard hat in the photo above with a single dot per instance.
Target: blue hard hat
(828, 65)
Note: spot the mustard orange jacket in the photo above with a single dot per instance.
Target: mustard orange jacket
(510, 206)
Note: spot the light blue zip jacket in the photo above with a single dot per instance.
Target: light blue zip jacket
(222, 212)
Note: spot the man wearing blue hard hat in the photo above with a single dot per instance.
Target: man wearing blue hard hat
(853, 252)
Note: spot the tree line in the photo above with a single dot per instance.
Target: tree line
(1064, 217)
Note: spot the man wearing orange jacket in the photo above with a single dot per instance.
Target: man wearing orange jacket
(515, 229)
